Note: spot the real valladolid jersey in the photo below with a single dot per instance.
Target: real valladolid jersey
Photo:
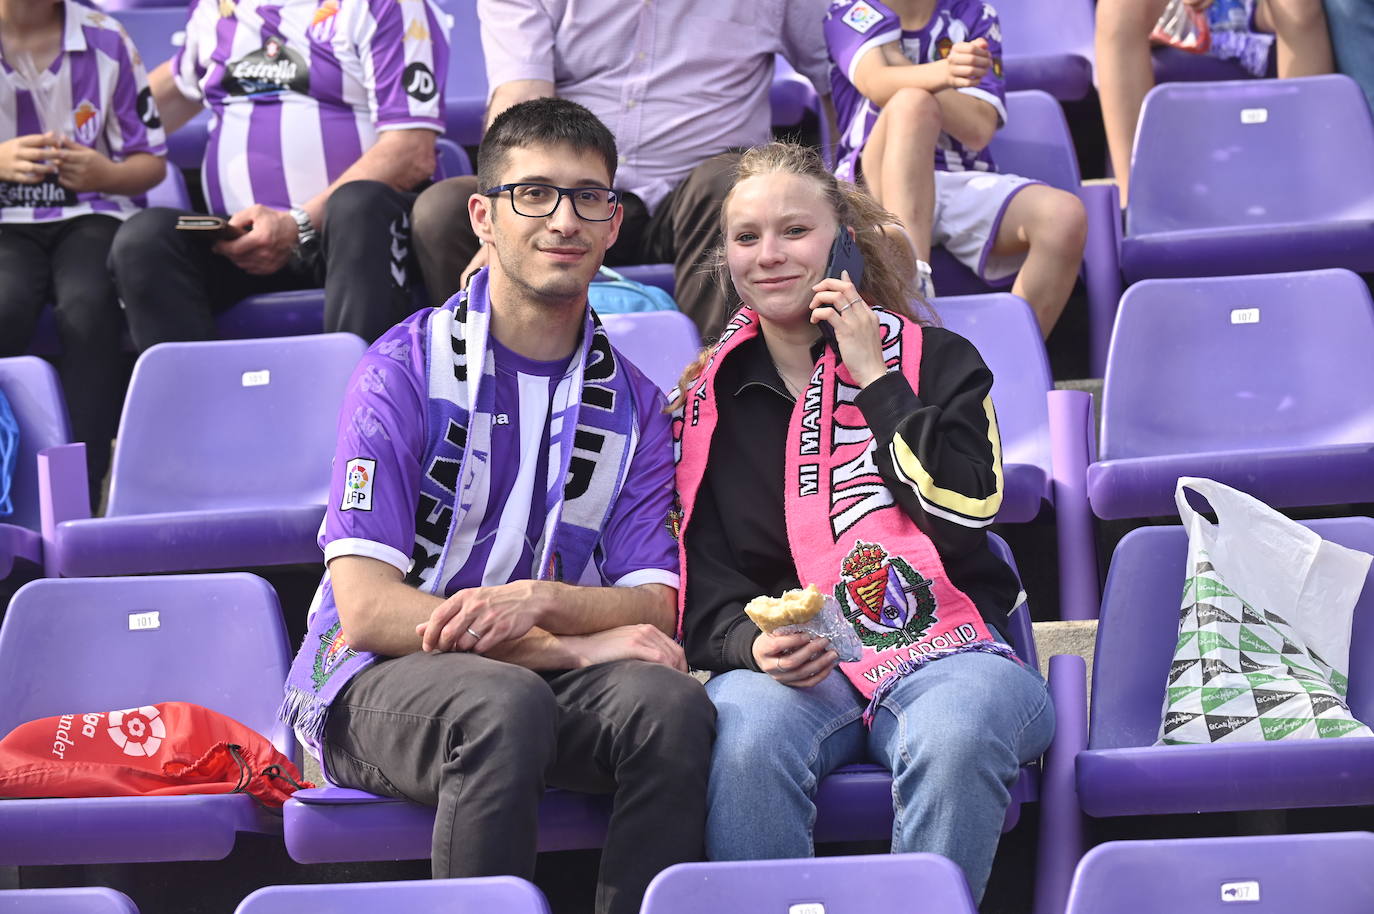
(95, 92)
(299, 89)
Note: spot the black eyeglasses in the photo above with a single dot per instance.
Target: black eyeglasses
(594, 204)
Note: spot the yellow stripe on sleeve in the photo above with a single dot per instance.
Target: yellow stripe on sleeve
(925, 486)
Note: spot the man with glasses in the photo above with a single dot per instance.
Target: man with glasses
(683, 85)
(500, 596)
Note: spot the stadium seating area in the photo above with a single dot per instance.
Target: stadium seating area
(1227, 313)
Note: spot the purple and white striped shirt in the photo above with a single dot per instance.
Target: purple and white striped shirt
(381, 446)
(853, 28)
(98, 90)
(300, 89)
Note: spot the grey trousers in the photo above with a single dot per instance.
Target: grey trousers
(480, 740)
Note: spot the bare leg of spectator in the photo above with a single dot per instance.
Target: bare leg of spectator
(1051, 226)
(1124, 74)
(899, 162)
(1300, 25)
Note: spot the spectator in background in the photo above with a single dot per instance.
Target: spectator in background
(919, 92)
(1125, 72)
(498, 609)
(325, 115)
(679, 83)
(82, 145)
(1352, 39)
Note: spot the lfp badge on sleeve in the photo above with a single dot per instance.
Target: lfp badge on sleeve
(358, 479)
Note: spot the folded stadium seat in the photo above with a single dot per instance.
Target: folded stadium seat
(222, 461)
(486, 895)
(1032, 431)
(1255, 381)
(1107, 765)
(838, 885)
(1048, 48)
(66, 901)
(1036, 143)
(1266, 874)
(1251, 176)
(216, 640)
(340, 824)
(34, 393)
(660, 343)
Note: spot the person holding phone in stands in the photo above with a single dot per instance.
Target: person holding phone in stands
(869, 467)
(82, 144)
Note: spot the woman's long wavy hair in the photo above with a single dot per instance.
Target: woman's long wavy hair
(883, 284)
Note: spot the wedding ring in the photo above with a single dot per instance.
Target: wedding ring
(474, 634)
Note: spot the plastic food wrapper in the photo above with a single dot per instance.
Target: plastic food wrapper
(1184, 28)
(826, 622)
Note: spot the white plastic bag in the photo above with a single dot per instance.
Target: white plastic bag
(1264, 633)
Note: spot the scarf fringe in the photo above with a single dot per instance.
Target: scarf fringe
(907, 667)
(305, 712)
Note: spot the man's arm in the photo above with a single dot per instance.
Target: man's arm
(173, 108)
(400, 158)
(382, 614)
(513, 93)
(883, 72)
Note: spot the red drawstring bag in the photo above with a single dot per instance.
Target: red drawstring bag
(173, 747)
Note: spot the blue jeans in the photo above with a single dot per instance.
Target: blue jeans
(1352, 39)
(954, 734)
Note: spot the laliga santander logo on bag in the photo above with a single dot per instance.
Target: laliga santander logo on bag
(137, 731)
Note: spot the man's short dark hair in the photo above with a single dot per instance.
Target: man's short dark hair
(542, 122)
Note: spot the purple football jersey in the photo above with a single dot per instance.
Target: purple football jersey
(375, 508)
(853, 28)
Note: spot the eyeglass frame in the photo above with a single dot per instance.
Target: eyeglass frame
(562, 192)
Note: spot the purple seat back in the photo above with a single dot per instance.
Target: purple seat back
(791, 96)
(35, 395)
(835, 885)
(157, 31)
(1251, 153)
(171, 190)
(660, 343)
(1049, 48)
(231, 424)
(73, 645)
(1139, 628)
(1266, 874)
(82, 900)
(486, 895)
(1003, 329)
(1036, 142)
(465, 86)
(1239, 363)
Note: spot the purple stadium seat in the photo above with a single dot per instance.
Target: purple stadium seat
(465, 88)
(340, 824)
(157, 31)
(1108, 765)
(1004, 330)
(215, 640)
(1036, 143)
(660, 343)
(1252, 176)
(66, 901)
(487, 895)
(1267, 874)
(222, 461)
(1048, 48)
(35, 396)
(828, 885)
(1172, 65)
(1251, 380)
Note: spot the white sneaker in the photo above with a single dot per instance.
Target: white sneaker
(925, 285)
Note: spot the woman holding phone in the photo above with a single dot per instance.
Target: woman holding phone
(80, 140)
(871, 468)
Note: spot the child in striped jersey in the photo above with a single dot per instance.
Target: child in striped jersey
(83, 143)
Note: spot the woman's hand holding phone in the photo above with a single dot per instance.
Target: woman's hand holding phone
(837, 304)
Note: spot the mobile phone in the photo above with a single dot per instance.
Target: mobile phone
(844, 255)
(215, 228)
